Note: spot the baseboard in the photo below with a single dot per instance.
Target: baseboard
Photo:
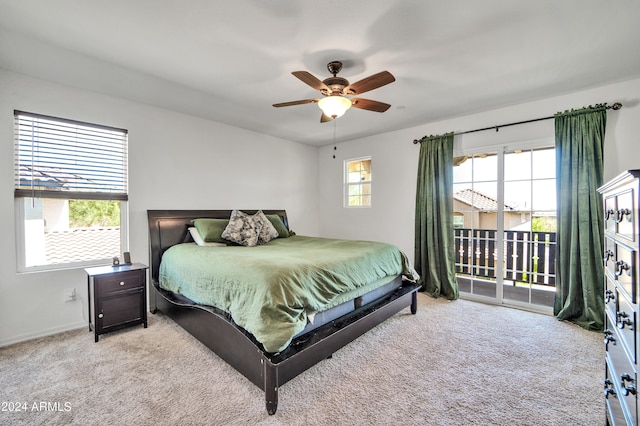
(43, 333)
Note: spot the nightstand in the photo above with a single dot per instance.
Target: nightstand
(117, 297)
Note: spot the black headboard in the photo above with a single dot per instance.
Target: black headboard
(170, 227)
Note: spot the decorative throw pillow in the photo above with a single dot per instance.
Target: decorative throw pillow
(277, 223)
(268, 231)
(242, 229)
(211, 229)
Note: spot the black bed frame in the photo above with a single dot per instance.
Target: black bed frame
(215, 328)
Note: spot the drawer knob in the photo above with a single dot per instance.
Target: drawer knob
(121, 282)
(628, 388)
(621, 266)
(100, 315)
(622, 320)
(609, 296)
(608, 389)
(607, 255)
(608, 337)
(621, 213)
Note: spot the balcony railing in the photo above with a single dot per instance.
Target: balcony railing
(529, 257)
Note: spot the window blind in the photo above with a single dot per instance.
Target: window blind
(60, 158)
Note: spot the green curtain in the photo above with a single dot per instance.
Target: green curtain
(434, 244)
(579, 162)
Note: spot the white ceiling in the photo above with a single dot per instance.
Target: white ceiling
(229, 61)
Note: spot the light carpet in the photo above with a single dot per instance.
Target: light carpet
(454, 363)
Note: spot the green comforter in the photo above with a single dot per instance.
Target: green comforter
(270, 289)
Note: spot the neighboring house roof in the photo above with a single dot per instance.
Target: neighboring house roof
(49, 177)
(480, 201)
(94, 243)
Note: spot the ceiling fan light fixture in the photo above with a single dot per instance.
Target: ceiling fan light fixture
(334, 106)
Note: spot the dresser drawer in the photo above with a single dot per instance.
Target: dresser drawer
(625, 270)
(118, 282)
(610, 296)
(622, 374)
(610, 257)
(616, 415)
(610, 208)
(625, 320)
(625, 215)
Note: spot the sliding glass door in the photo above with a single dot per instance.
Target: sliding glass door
(504, 220)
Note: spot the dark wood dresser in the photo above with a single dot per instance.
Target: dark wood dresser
(621, 261)
(117, 297)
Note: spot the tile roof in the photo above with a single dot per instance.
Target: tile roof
(43, 177)
(479, 200)
(80, 244)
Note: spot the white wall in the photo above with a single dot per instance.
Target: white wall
(175, 161)
(179, 161)
(395, 159)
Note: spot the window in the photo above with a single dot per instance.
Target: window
(357, 178)
(70, 192)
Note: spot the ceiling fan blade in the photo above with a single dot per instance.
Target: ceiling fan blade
(369, 83)
(311, 80)
(369, 105)
(304, 101)
(324, 118)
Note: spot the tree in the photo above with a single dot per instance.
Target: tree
(92, 213)
(543, 224)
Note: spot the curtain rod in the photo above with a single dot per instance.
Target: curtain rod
(616, 106)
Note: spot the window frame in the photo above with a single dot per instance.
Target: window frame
(347, 184)
(21, 194)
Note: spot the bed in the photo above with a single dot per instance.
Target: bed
(312, 335)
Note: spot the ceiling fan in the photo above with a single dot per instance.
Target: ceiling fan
(336, 89)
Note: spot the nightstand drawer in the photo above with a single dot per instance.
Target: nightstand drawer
(118, 282)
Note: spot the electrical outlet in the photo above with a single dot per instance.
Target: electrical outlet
(69, 294)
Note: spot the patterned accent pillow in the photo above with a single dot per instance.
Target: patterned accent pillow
(268, 231)
(242, 229)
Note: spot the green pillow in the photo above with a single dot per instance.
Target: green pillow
(277, 223)
(211, 229)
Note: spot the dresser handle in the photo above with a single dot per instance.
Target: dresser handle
(607, 255)
(621, 213)
(621, 266)
(628, 389)
(622, 320)
(608, 213)
(121, 282)
(609, 296)
(608, 337)
(608, 389)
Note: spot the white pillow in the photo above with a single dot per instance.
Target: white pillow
(199, 241)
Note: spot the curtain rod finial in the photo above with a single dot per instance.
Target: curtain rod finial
(616, 106)
(415, 141)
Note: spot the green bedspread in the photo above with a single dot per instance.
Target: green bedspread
(270, 289)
